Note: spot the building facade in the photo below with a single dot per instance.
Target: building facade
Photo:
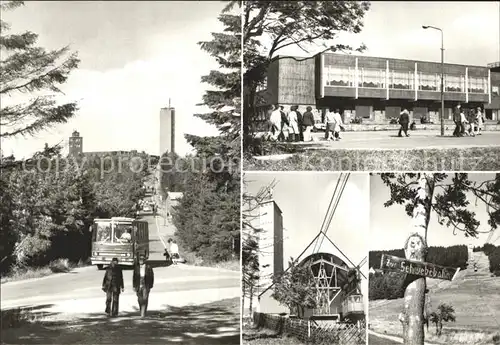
(375, 90)
(167, 130)
(75, 144)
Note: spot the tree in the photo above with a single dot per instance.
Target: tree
(444, 313)
(301, 23)
(422, 195)
(225, 100)
(296, 288)
(208, 216)
(27, 68)
(250, 246)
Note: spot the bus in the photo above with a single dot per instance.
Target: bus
(120, 237)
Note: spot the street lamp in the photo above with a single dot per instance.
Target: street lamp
(442, 75)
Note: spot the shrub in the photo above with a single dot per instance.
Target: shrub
(60, 266)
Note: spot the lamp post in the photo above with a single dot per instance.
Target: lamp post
(442, 75)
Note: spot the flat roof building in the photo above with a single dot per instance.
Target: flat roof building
(376, 89)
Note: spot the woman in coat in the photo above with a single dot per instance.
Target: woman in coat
(293, 124)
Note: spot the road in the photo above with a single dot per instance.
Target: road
(417, 139)
(186, 304)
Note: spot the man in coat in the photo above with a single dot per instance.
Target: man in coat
(112, 285)
(404, 121)
(143, 280)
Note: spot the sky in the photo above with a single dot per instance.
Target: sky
(303, 197)
(471, 32)
(134, 57)
(390, 226)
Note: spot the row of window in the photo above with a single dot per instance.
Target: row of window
(376, 78)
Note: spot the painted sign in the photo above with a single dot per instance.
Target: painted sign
(418, 268)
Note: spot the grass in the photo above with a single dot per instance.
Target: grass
(56, 266)
(443, 159)
(477, 309)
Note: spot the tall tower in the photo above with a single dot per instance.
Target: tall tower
(167, 130)
(270, 242)
(75, 144)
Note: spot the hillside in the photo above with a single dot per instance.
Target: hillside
(474, 295)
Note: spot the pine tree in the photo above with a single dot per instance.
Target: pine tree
(225, 100)
(30, 69)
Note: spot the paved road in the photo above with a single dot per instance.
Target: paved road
(417, 139)
(177, 292)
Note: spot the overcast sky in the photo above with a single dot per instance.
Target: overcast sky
(134, 57)
(390, 226)
(394, 29)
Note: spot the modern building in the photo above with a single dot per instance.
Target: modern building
(375, 90)
(167, 130)
(75, 144)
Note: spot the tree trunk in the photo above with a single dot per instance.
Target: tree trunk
(412, 317)
(244, 294)
(250, 308)
(440, 327)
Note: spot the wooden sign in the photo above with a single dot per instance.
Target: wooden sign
(418, 268)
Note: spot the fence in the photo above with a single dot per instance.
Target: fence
(315, 332)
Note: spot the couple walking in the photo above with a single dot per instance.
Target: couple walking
(334, 124)
(142, 282)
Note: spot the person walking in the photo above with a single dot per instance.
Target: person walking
(463, 122)
(329, 124)
(479, 121)
(308, 123)
(300, 121)
(174, 250)
(284, 125)
(112, 285)
(275, 120)
(338, 124)
(404, 121)
(457, 119)
(142, 281)
(293, 122)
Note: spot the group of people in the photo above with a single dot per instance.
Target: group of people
(467, 122)
(294, 126)
(461, 117)
(142, 282)
(172, 254)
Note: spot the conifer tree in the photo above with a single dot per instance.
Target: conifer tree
(26, 68)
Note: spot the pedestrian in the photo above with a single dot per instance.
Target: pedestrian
(463, 122)
(174, 250)
(143, 280)
(275, 121)
(457, 119)
(404, 121)
(284, 125)
(329, 124)
(293, 122)
(308, 123)
(479, 121)
(112, 285)
(300, 120)
(338, 124)
(167, 256)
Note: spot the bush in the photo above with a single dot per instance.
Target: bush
(60, 266)
(496, 339)
(386, 286)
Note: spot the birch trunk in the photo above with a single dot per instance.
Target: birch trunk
(412, 317)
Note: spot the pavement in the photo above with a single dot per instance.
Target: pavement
(203, 302)
(390, 140)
